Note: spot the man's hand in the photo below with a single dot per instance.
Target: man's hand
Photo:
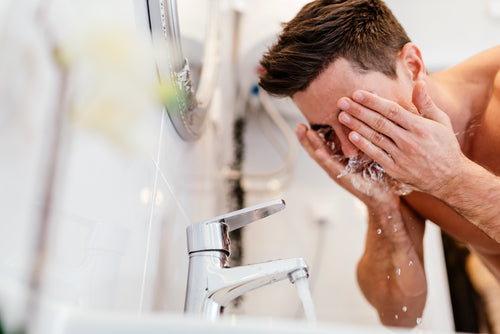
(419, 150)
(371, 193)
(390, 273)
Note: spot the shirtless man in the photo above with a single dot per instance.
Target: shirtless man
(362, 86)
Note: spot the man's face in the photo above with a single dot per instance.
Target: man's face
(318, 103)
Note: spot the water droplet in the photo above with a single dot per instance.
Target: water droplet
(410, 263)
(395, 228)
(398, 271)
(388, 276)
(379, 231)
(405, 308)
(396, 316)
(419, 321)
(389, 217)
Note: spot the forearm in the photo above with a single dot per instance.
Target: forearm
(474, 193)
(391, 272)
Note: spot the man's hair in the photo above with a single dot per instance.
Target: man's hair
(365, 32)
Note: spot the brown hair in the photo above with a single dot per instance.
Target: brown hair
(365, 32)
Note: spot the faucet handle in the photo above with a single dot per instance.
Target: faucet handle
(240, 218)
(212, 234)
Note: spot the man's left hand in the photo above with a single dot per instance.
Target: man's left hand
(419, 150)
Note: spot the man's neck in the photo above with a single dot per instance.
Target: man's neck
(451, 103)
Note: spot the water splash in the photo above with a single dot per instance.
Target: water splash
(370, 170)
(304, 293)
(470, 130)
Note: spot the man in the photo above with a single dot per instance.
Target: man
(373, 109)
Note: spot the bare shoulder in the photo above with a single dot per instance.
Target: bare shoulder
(474, 81)
(481, 68)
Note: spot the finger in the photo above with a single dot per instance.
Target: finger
(391, 110)
(316, 149)
(310, 140)
(315, 140)
(301, 133)
(369, 123)
(426, 106)
(332, 166)
(376, 153)
(367, 132)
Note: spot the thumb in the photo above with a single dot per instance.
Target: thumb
(425, 104)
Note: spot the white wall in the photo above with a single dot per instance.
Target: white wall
(449, 31)
(124, 192)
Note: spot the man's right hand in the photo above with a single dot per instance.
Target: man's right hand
(390, 273)
(372, 194)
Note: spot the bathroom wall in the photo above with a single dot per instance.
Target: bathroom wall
(125, 190)
(449, 31)
(126, 186)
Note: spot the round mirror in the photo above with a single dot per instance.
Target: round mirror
(186, 107)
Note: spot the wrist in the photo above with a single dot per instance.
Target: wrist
(458, 178)
(384, 209)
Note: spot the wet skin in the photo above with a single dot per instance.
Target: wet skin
(383, 119)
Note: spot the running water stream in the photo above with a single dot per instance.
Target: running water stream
(304, 293)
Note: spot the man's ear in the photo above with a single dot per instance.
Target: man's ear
(412, 62)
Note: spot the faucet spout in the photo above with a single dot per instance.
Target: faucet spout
(234, 282)
(212, 286)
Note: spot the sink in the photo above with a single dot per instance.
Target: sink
(160, 323)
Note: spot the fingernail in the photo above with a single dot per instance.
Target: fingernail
(344, 117)
(358, 96)
(299, 129)
(343, 104)
(310, 135)
(354, 136)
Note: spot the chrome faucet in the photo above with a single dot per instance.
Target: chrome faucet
(212, 284)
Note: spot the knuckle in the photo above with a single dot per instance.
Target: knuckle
(406, 143)
(418, 128)
(379, 123)
(392, 111)
(414, 149)
(377, 138)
